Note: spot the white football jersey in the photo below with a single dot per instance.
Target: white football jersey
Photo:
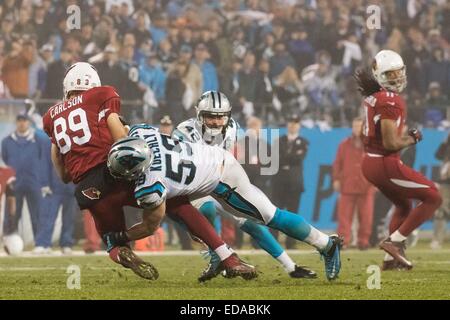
(179, 168)
(191, 130)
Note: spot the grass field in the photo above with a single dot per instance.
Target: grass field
(45, 278)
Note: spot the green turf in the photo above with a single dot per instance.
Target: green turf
(45, 278)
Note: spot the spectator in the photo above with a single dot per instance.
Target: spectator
(201, 56)
(355, 191)
(140, 31)
(153, 76)
(415, 55)
(165, 54)
(437, 69)
(16, 66)
(31, 181)
(175, 90)
(280, 60)
(194, 76)
(289, 179)
(130, 89)
(56, 195)
(57, 70)
(37, 74)
(264, 92)
(246, 77)
(300, 47)
(435, 106)
(109, 69)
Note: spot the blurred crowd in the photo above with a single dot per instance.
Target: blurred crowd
(271, 57)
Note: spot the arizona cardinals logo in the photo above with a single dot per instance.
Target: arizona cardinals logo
(92, 193)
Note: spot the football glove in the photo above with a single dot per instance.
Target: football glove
(115, 239)
(415, 134)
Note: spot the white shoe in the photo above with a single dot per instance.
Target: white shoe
(435, 245)
(42, 250)
(66, 250)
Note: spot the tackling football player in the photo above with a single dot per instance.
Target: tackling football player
(176, 168)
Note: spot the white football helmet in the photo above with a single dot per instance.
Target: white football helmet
(213, 103)
(385, 61)
(80, 76)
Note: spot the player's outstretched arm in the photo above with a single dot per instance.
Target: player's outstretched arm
(59, 165)
(151, 219)
(392, 141)
(115, 126)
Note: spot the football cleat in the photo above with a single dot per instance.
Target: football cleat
(130, 260)
(302, 272)
(332, 257)
(231, 267)
(397, 251)
(213, 269)
(392, 265)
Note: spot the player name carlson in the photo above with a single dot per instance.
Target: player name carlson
(63, 107)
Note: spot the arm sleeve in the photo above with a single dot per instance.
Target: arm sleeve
(150, 194)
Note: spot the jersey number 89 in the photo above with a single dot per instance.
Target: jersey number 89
(76, 121)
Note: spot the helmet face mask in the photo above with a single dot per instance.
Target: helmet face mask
(213, 112)
(214, 123)
(129, 158)
(389, 71)
(80, 76)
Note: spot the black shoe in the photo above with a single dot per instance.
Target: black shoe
(302, 272)
(140, 267)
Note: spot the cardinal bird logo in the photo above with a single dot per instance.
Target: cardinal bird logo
(92, 193)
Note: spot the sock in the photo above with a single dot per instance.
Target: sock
(263, 237)
(388, 257)
(286, 261)
(296, 227)
(397, 236)
(223, 252)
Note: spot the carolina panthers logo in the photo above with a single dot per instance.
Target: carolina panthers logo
(130, 161)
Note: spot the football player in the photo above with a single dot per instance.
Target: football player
(385, 113)
(177, 168)
(214, 126)
(82, 129)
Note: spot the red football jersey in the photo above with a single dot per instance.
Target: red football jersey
(78, 127)
(381, 105)
(7, 175)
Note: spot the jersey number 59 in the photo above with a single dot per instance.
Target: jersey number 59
(76, 122)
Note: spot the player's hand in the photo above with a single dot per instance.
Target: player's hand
(46, 191)
(415, 134)
(115, 239)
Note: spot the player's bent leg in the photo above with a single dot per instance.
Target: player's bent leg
(200, 227)
(267, 242)
(242, 198)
